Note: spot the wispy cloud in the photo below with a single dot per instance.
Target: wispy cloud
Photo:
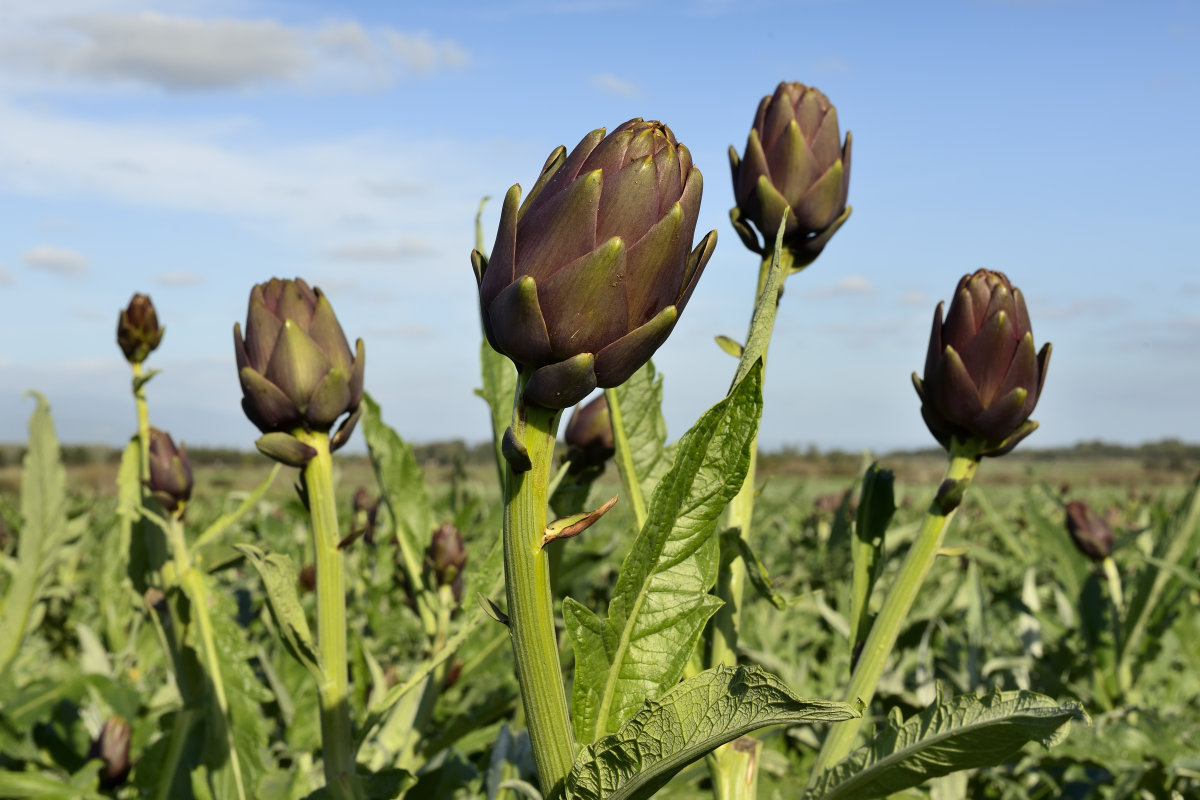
(1093, 307)
(854, 284)
(193, 54)
(401, 332)
(399, 250)
(178, 279)
(6, 276)
(58, 260)
(607, 82)
(914, 298)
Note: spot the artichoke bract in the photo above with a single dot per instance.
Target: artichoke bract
(1091, 534)
(170, 471)
(794, 157)
(588, 276)
(983, 377)
(138, 331)
(296, 369)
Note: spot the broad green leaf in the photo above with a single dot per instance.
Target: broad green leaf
(645, 430)
(875, 510)
(235, 730)
(44, 531)
(499, 388)
(963, 732)
(278, 575)
(402, 482)
(45, 787)
(696, 716)
(661, 600)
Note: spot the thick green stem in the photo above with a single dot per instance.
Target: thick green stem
(734, 769)
(630, 487)
(180, 728)
(143, 416)
(337, 738)
(530, 604)
(896, 606)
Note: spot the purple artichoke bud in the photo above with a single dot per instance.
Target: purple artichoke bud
(1090, 533)
(982, 374)
(296, 368)
(589, 436)
(794, 157)
(588, 277)
(112, 747)
(366, 509)
(138, 331)
(170, 472)
(446, 557)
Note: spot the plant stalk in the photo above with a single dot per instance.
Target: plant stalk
(630, 487)
(896, 606)
(337, 736)
(530, 604)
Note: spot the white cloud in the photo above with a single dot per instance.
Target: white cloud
(190, 54)
(611, 84)
(178, 279)
(854, 284)
(59, 260)
(914, 297)
(399, 250)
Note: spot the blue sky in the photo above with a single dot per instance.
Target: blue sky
(192, 148)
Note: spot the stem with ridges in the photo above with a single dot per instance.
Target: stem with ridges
(899, 601)
(530, 605)
(337, 737)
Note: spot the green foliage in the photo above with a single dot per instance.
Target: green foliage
(954, 734)
(661, 601)
(684, 724)
(45, 534)
(875, 510)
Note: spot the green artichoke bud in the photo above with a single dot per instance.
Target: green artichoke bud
(112, 747)
(296, 368)
(170, 471)
(982, 374)
(446, 557)
(138, 331)
(1090, 533)
(589, 275)
(589, 437)
(794, 157)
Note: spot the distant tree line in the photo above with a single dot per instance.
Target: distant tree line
(1167, 454)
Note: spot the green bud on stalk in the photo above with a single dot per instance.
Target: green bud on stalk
(589, 275)
(1090, 533)
(138, 331)
(170, 471)
(296, 368)
(794, 158)
(982, 374)
(589, 437)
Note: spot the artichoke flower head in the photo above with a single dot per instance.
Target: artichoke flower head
(983, 376)
(795, 159)
(170, 471)
(296, 368)
(588, 276)
(138, 331)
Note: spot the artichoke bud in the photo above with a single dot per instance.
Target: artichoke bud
(1089, 531)
(795, 159)
(366, 509)
(983, 377)
(111, 746)
(589, 437)
(446, 557)
(296, 368)
(170, 472)
(588, 276)
(138, 331)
